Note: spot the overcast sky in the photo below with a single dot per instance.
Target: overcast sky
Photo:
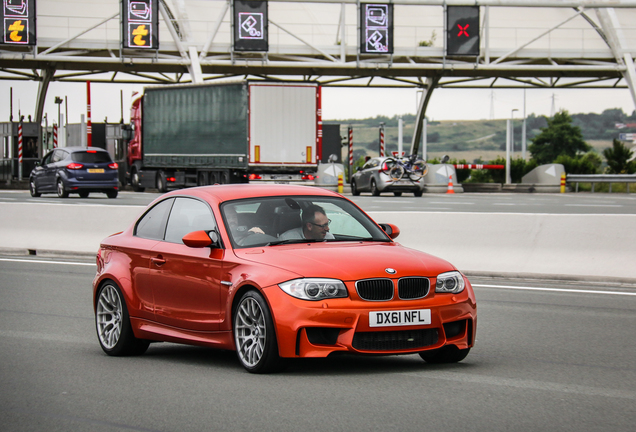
(338, 103)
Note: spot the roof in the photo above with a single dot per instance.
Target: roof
(239, 191)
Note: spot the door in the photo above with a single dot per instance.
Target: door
(186, 281)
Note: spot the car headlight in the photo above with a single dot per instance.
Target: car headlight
(315, 289)
(450, 282)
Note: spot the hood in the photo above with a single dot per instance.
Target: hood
(347, 261)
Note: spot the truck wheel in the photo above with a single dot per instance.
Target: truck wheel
(134, 179)
(162, 183)
(202, 179)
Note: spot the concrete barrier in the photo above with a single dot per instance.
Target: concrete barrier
(577, 246)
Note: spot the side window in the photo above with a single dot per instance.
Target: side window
(342, 222)
(188, 215)
(152, 225)
(47, 159)
(58, 155)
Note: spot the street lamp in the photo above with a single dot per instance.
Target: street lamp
(512, 130)
(58, 101)
(509, 143)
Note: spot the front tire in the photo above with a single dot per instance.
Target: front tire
(135, 181)
(254, 334)
(447, 354)
(354, 189)
(61, 190)
(34, 189)
(112, 322)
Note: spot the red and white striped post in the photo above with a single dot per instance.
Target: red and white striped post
(350, 153)
(54, 135)
(20, 150)
(381, 139)
(89, 124)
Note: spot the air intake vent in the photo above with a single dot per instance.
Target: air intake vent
(413, 288)
(375, 289)
(395, 340)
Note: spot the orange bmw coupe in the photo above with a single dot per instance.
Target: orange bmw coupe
(276, 272)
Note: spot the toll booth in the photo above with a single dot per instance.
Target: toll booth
(31, 149)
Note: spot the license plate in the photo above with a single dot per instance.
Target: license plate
(400, 318)
(96, 170)
(403, 183)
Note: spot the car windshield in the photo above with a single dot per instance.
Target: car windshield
(271, 221)
(91, 156)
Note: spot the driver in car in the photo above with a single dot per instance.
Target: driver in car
(239, 231)
(315, 226)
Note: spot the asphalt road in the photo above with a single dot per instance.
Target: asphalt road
(548, 356)
(570, 203)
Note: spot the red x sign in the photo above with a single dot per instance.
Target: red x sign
(462, 30)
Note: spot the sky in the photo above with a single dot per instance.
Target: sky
(338, 103)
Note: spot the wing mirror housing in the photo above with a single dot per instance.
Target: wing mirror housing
(391, 230)
(201, 239)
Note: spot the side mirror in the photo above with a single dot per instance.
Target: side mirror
(359, 168)
(201, 239)
(391, 230)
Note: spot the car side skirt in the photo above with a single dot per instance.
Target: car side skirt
(144, 329)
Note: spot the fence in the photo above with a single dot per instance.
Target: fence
(601, 178)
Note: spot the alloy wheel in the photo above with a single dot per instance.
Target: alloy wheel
(109, 316)
(250, 332)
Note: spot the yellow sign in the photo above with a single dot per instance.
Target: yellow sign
(139, 34)
(14, 31)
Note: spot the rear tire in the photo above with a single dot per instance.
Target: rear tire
(447, 354)
(111, 193)
(162, 183)
(61, 190)
(418, 193)
(112, 322)
(374, 188)
(254, 334)
(84, 194)
(397, 194)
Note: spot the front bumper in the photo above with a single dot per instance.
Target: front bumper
(318, 329)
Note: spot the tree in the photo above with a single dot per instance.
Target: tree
(618, 159)
(560, 137)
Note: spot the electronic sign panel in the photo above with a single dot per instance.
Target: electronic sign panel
(376, 28)
(462, 26)
(18, 20)
(250, 26)
(140, 24)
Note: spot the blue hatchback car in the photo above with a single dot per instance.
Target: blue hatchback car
(78, 170)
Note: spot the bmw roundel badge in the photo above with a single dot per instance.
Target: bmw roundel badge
(390, 270)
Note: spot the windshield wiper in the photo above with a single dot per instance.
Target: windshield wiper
(291, 241)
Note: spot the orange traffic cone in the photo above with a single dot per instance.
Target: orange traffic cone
(450, 185)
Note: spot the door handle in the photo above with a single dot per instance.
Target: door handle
(158, 261)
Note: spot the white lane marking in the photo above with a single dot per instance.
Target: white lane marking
(450, 202)
(525, 384)
(593, 205)
(569, 291)
(7, 199)
(46, 262)
(42, 336)
(36, 202)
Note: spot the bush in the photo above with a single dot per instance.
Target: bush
(589, 163)
(617, 159)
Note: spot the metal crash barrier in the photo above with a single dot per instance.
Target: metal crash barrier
(601, 178)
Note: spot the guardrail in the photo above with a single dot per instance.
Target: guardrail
(601, 178)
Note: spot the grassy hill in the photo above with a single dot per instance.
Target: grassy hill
(480, 140)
